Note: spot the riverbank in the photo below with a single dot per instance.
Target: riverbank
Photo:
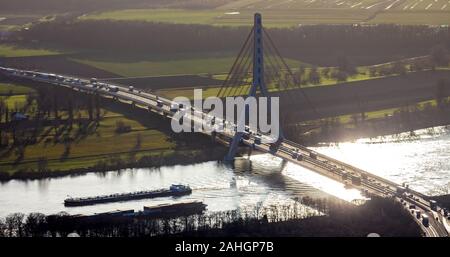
(71, 133)
(401, 121)
(181, 157)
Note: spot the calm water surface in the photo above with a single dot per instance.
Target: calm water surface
(423, 161)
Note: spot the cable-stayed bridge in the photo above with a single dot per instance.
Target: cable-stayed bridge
(260, 71)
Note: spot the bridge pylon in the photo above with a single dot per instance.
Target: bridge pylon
(258, 83)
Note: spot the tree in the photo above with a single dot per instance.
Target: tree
(399, 68)
(441, 93)
(2, 108)
(55, 105)
(372, 72)
(6, 114)
(138, 141)
(70, 111)
(42, 164)
(4, 139)
(440, 55)
(326, 72)
(301, 70)
(97, 107)
(340, 76)
(14, 224)
(30, 98)
(121, 127)
(314, 76)
(2, 228)
(90, 108)
(34, 224)
(345, 65)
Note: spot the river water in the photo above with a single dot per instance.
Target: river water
(422, 161)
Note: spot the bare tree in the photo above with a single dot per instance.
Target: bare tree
(34, 224)
(14, 224)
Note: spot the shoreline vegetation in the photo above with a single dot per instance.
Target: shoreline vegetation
(326, 218)
(150, 161)
(403, 121)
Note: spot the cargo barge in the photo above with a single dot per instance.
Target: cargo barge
(174, 210)
(173, 190)
(159, 211)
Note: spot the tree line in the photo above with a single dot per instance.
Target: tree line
(326, 218)
(129, 36)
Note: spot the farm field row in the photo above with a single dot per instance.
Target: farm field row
(338, 4)
(279, 18)
(15, 51)
(294, 13)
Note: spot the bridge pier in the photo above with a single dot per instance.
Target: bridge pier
(249, 152)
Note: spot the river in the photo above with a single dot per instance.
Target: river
(422, 161)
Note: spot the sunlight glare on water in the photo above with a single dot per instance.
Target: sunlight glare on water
(422, 161)
(311, 178)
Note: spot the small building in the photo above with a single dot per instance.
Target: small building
(18, 116)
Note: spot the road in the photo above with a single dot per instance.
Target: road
(290, 151)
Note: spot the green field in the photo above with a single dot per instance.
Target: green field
(14, 89)
(162, 67)
(295, 12)
(278, 18)
(91, 150)
(14, 51)
(407, 5)
(413, 17)
(377, 114)
(102, 144)
(168, 65)
(157, 15)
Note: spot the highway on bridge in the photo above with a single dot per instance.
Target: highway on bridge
(418, 205)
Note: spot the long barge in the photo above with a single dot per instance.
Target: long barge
(173, 190)
(159, 211)
(174, 210)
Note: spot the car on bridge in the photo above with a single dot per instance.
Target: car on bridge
(313, 155)
(174, 107)
(418, 214)
(294, 153)
(113, 89)
(425, 220)
(257, 140)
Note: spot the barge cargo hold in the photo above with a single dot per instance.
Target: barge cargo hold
(159, 211)
(174, 210)
(174, 190)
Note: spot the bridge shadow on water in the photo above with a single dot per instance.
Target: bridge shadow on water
(270, 172)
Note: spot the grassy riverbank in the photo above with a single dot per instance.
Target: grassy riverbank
(393, 121)
(118, 137)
